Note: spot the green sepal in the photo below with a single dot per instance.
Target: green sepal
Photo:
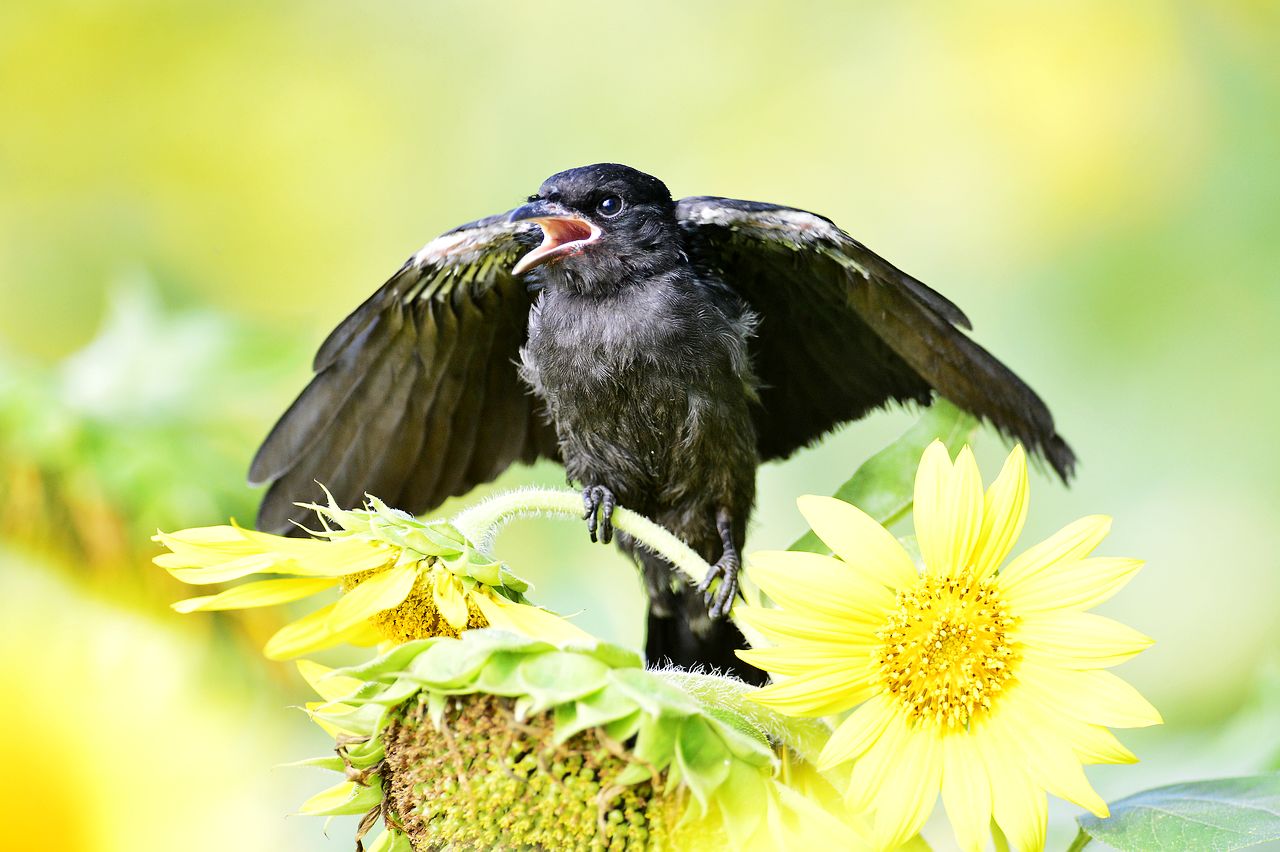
(331, 762)
(390, 840)
(559, 677)
(364, 720)
(740, 799)
(699, 742)
(391, 663)
(401, 689)
(597, 710)
(344, 798)
(417, 540)
(703, 766)
(366, 754)
(623, 729)
(613, 656)
(446, 663)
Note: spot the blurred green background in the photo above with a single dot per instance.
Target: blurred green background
(192, 194)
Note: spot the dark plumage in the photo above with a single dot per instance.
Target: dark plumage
(664, 350)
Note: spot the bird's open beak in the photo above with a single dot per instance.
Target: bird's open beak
(563, 233)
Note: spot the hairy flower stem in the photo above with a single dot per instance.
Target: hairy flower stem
(481, 522)
(805, 737)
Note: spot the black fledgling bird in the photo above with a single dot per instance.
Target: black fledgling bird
(660, 349)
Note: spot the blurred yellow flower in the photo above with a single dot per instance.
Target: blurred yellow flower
(989, 687)
(401, 579)
(120, 735)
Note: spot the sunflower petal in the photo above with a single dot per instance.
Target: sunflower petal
(1095, 696)
(857, 733)
(1071, 585)
(932, 478)
(1079, 640)
(529, 620)
(222, 572)
(1095, 744)
(1020, 807)
(261, 593)
(203, 547)
(790, 660)
(966, 791)
(1049, 759)
(1004, 511)
(948, 509)
(318, 557)
(784, 627)
(382, 591)
(450, 599)
(910, 790)
(810, 582)
(859, 540)
(815, 694)
(1073, 542)
(310, 633)
(328, 688)
(870, 770)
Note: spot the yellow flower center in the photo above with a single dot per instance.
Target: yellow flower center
(946, 653)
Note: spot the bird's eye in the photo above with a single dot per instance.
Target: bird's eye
(610, 205)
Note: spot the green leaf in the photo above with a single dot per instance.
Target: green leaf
(1229, 813)
(884, 485)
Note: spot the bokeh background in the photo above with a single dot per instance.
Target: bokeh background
(192, 194)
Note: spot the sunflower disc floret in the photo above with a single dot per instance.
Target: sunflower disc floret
(483, 779)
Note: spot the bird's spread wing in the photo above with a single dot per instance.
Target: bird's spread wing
(415, 397)
(842, 330)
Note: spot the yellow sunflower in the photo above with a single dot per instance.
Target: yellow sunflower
(987, 686)
(401, 579)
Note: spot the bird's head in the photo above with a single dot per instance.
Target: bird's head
(601, 225)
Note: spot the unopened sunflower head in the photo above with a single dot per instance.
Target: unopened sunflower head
(497, 740)
(983, 682)
(400, 579)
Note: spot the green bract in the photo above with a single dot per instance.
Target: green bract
(378, 522)
(497, 739)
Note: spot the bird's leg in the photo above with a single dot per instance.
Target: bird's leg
(726, 570)
(598, 500)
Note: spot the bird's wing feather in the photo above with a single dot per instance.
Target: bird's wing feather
(842, 331)
(415, 396)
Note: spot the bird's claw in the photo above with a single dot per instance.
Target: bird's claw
(720, 600)
(598, 503)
